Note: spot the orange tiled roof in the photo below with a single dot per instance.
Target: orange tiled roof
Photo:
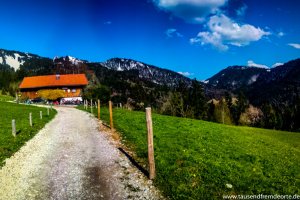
(52, 81)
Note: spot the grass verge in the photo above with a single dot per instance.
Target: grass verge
(202, 160)
(9, 111)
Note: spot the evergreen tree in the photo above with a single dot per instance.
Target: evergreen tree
(197, 100)
(100, 92)
(270, 119)
(211, 111)
(296, 116)
(238, 107)
(228, 99)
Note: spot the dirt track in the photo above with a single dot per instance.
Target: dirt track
(71, 159)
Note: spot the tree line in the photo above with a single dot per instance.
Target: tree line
(190, 101)
(183, 100)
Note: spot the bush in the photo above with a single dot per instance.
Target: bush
(251, 117)
(51, 94)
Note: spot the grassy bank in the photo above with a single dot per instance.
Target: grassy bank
(9, 111)
(202, 160)
(6, 98)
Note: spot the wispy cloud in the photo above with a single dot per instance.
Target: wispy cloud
(194, 11)
(186, 73)
(171, 32)
(280, 34)
(251, 63)
(107, 23)
(295, 45)
(242, 10)
(223, 31)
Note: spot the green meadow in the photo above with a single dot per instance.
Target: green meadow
(204, 160)
(8, 111)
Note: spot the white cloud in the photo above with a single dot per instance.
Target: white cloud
(277, 64)
(171, 32)
(297, 46)
(193, 11)
(250, 63)
(223, 31)
(212, 38)
(186, 73)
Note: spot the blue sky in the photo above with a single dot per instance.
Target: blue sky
(196, 37)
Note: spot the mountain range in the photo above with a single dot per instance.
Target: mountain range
(69, 64)
(276, 84)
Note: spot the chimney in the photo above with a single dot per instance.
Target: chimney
(57, 76)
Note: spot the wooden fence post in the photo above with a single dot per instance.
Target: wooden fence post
(98, 109)
(13, 128)
(111, 115)
(150, 144)
(30, 119)
(17, 99)
(41, 114)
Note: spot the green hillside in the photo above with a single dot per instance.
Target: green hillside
(9, 111)
(200, 160)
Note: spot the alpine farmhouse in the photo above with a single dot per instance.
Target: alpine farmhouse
(72, 84)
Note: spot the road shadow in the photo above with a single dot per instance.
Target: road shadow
(137, 165)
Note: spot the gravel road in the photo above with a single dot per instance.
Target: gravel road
(71, 159)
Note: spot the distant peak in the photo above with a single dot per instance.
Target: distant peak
(251, 63)
(71, 59)
(277, 65)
